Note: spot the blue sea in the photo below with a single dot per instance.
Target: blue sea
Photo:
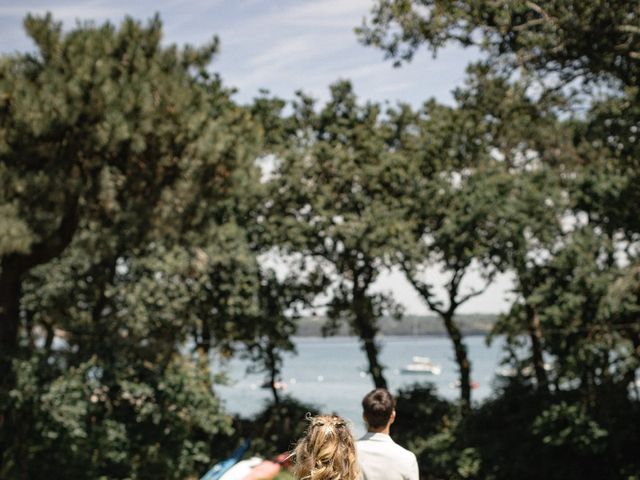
(331, 373)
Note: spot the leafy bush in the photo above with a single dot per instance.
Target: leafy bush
(425, 424)
(521, 433)
(85, 424)
(276, 428)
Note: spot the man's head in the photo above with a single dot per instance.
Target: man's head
(378, 409)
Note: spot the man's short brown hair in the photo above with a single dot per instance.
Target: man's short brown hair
(377, 406)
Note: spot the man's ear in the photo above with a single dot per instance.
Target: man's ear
(392, 418)
(366, 424)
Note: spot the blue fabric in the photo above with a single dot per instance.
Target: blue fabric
(220, 468)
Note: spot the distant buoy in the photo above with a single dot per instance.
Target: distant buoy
(320, 378)
(293, 381)
(363, 374)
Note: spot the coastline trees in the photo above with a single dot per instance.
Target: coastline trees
(132, 218)
(570, 38)
(574, 248)
(447, 216)
(124, 179)
(482, 166)
(595, 76)
(338, 192)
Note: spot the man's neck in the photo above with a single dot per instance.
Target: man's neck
(384, 430)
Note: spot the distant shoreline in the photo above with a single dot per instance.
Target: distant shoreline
(410, 325)
(386, 335)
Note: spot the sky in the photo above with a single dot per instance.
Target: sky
(284, 46)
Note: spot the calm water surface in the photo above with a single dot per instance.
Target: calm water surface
(331, 373)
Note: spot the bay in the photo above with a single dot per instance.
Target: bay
(331, 373)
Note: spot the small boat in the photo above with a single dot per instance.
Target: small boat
(474, 385)
(422, 365)
(278, 385)
(420, 359)
(526, 371)
(506, 372)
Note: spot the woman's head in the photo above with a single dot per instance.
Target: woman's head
(327, 451)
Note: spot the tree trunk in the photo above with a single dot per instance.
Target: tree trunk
(462, 359)
(272, 369)
(367, 330)
(94, 343)
(9, 317)
(273, 377)
(535, 334)
(13, 267)
(375, 369)
(202, 350)
(630, 375)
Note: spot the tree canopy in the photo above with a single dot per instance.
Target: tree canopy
(136, 228)
(124, 179)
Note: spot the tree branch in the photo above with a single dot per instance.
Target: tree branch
(52, 247)
(538, 9)
(423, 289)
(472, 294)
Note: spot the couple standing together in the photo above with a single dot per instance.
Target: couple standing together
(328, 451)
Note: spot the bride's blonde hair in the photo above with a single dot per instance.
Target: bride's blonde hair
(327, 451)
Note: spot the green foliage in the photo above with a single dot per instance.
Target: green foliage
(569, 37)
(271, 328)
(86, 423)
(134, 223)
(425, 424)
(124, 170)
(519, 434)
(564, 131)
(277, 427)
(337, 178)
(284, 475)
(568, 426)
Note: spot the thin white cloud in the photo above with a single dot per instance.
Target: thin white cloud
(393, 88)
(290, 58)
(362, 71)
(289, 50)
(326, 13)
(67, 12)
(318, 15)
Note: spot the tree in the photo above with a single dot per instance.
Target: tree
(572, 236)
(123, 179)
(475, 160)
(570, 38)
(98, 110)
(533, 208)
(337, 197)
(280, 302)
(447, 211)
(453, 233)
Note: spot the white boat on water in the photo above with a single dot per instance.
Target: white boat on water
(526, 371)
(278, 385)
(422, 365)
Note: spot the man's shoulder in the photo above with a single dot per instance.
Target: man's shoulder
(382, 458)
(403, 451)
(368, 442)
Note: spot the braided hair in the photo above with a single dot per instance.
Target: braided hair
(327, 451)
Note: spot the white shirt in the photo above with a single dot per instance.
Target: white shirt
(381, 458)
